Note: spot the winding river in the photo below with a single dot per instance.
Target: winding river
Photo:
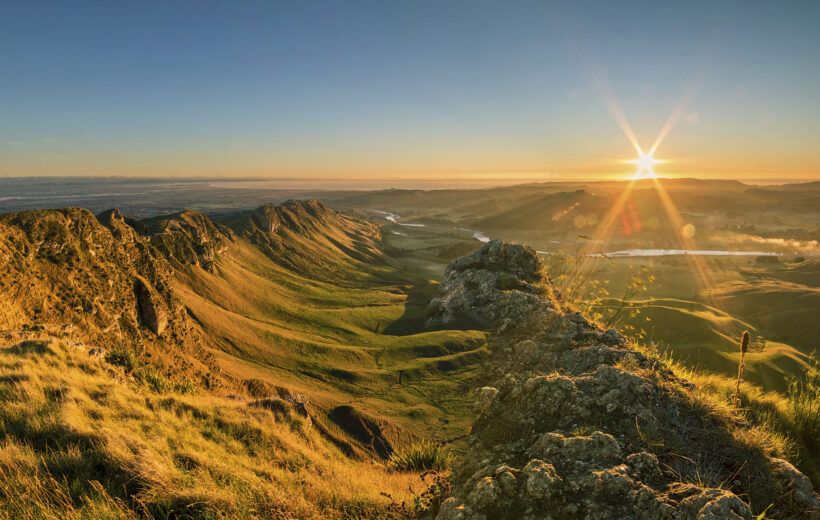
(625, 253)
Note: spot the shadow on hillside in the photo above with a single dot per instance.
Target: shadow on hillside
(415, 311)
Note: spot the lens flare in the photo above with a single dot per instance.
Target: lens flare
(682, 231)
(645, 163)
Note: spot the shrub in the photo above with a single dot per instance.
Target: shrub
(421, 456)
(184, 386)
(151, 377)
(123, 357)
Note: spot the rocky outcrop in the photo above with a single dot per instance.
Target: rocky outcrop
(488, 286)
(98, 281)
(189, 238)
(577, 424)
(295, 215)
(303, 217)
(122, 228)
(150, 307)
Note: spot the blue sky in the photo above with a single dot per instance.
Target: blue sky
(407, 89)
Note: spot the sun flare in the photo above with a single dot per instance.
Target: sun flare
(645, 164)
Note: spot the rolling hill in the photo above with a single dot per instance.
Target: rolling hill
(289, 315)
(270, 362)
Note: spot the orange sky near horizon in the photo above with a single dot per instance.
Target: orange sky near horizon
(763, 167)
(506, 92)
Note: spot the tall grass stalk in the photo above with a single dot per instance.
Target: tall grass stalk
(744, 347)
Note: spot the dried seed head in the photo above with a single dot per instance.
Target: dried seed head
(744, 342)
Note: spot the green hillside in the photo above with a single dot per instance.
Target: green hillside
(181, 368)
(706, 339)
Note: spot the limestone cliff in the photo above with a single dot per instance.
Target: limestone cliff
(575, 423)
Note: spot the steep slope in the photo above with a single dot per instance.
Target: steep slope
(79, 441)
(303, 300)
(174, 368)
(577, 424)
(300, 301)
(95, 282)
(310, 238)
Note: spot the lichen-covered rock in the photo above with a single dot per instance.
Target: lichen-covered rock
(715, 504)
(797, 484)
(576, 424)
(542, 480)
(453, 509)
(495, 282)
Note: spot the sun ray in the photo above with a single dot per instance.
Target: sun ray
(645, 162)
(677, 113)
(597, 242)
(700, 266)
(607, 95)
(593, 253)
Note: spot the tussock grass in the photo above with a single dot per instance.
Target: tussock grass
(804, 404)
(421, 456)
(79, 441)
(122, 356)
(785, 426)
(27, 493)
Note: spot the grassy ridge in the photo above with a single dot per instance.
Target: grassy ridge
(789, 423)
(701, 327)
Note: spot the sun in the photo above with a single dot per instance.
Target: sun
(645, 162)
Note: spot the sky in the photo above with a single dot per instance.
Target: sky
(415, 89)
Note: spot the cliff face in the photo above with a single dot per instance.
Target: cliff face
(96, 283)
(67, 267)
(577, 424)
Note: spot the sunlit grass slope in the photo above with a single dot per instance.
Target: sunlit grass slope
(79, 440)
(332, 341)
(701, 327)
(787, 311)
(706, 338)
(790, 423)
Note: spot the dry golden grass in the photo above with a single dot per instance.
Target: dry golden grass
(78, 440)
(771, 426)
